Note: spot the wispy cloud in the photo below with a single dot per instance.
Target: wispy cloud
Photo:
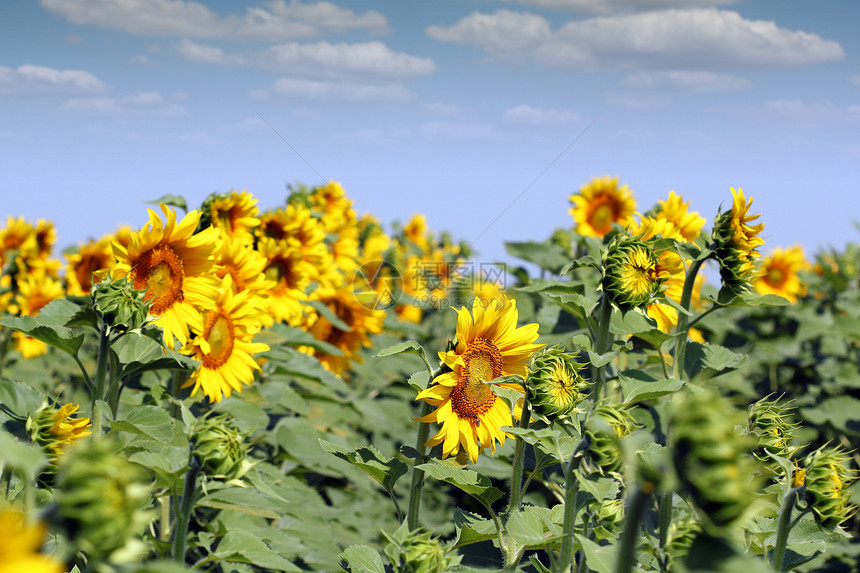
(616, 6)
(277, 21)
(457, 131)
(692, 81)
(27, 80)
(791, 111)
(697, 39)
(305, 89)
(135, 104)
(196, 52)
(363, 58)
(539, 117)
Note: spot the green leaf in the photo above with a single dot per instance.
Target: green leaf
(363, 559)
(20, 398)
(245, 500)
(383, 469)
(631, 322)
(545, 255)
(532, 527)
(600, 558)
(177, 201)
(49, 326)
(408, 346)
(26, 458)
(637, 386)
(575, 303)
(841, 412)
(244, 547)
(704, 361)
(473, 483)
(149, 421)
(329, 315)
(472, 528)
(280, 334)
(140, 353)
(419, 380)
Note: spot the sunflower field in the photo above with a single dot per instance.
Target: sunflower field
(227, 388)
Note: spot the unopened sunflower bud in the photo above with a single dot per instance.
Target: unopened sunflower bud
(608, 425)
(420, 552)
(736, 244)
(770, 425)
(610, 511)
(554, 383)
(827, 478)
(630, 272)
(119, 304)
(682, 532)
(220, 446)
(712, 459)
(55, 429)
(101, 499)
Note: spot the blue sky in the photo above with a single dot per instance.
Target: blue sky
(485, 115)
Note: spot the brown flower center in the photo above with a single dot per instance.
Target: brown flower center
(471, 397)
(218, 332)
(160, 271)
(776, 276)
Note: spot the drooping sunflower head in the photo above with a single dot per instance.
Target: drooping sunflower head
(55, 429)
(608, 424)
(736, 243)
(779, 273)
(771, 425)
(676, 211)
(631, 272)
(555, 385)
(827, 478)
(599, 203)
(488, 345)
(235, 213)
(83, 266)
(220, 445)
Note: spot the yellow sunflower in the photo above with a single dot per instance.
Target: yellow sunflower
(175, 265)
(224, 345)
(236, 214)
(55, 428)
(334, 206)
(20, 543)
(675, 210)
(35, 290)
(289, 275)
(489, 345)
(737, 243)
(745, 236)
(599, 203)
(83, 266)
(17, 236)
(246, 268)
(296, 224)
(416, 231)
(778, 273)
(362, 320)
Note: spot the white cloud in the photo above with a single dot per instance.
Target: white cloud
(374, 136)
(277, 21)
(39, 80)
(138, 60)
(363, 58)
(538, 117)
(195, 52)
(134, 104)
(456, 131)
(296, 88)
(855, 80)
(692, 81)
(441, 108)
(792, 111)
(675, 39)
(615, 6)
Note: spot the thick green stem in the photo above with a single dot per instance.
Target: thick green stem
(183, 515)
(176, 382)
(784, 526)
(682, 327)
(630, 535)
(101, 368)
(665, 521)
(566, 557)
(519, 455)
(417, 484)
(602, 344)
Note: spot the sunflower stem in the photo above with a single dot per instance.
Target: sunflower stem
(176, 382)
(101, 372)
(683, 320)
(417, 485)
(186, 505)
(602, 344)
(784, 526)
(519, 455)
(566, 557)
(636, 505)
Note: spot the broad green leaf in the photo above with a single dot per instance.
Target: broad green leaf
(472, 528)
(170, 464)
(280, 334)
(246, 500)
(26, 458)
(363, 559)
(637, 386)
(177, 201)
(600, 558)
(149, 421)
(140, 353)
(329, 315)
(711, 554)
(631, 322)
(244, 547)
(532, 527)
(49, 326)
(383, 469)
(841, 412)
(546, 255)
(704, 361)
(575, 303)
(408, 346)
(419, 380)
(473, 483)
(20, 398)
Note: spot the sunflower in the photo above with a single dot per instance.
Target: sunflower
(736, 243)
(224, 345)
(599, 203)
(675, 210)
(296, 224)
(361, 319)
(83, 266)
(489, 345)
(176, 267)
(234, 213)
(35, 290)
(246, 268)
(778, 273)
(415, 231)
(17, 236)
(289, 275)
(334, 207)
(56, 429)
(20, 543)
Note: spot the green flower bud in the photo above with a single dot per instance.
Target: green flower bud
(220, 446)
(770, 425)
(55, 429)
(630, 273)
(119, 304)
(419, 552)
(607, 426)
(682, 532)
(101, 499)
(827, 478)
(736, 243)
(554, 383)
(712, 459)
(610, 511)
